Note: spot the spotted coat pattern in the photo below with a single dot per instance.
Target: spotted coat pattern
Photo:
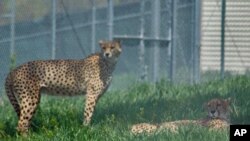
(217, 119)
(90, 76)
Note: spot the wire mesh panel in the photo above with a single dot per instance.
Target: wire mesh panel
(184, 36)
(62, 29)
(236, 42)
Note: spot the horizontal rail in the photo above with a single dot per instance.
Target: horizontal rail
(68, 28)
(132, 37)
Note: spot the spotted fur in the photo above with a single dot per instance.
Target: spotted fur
(217, 118)
(144, 128)
(90, 76)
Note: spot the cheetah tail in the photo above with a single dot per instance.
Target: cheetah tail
(11, 95)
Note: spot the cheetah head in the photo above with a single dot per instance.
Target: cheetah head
(218, 108)
(110, 49)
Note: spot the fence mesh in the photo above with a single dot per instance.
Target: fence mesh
(33, 22)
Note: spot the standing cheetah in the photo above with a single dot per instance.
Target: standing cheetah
(90, 76)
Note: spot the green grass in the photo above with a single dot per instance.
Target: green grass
(60, 118)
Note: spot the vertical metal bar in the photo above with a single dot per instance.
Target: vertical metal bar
(12, 28)
(190, 62)
(110, 19)
(169, 31)
(173, 40)
(143, 70)
(197, 39)
(156, 34)
(53, 29)
(93, 26)
(223, 14)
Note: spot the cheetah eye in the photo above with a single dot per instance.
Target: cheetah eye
(103, 48)
(112, 47)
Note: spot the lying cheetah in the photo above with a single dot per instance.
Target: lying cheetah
(217, 118)
(90, 76)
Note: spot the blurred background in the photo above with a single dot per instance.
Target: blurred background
(182, 41)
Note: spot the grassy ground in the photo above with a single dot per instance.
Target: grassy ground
(60, 118)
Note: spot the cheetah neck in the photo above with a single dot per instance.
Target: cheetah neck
(109, 62)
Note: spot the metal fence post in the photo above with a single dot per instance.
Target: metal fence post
(173, 40)
(156, 34)
(169, 36)
(110, 19)
(143, 70)
(197, 30)
(93, 30)
(53, 29)
(223, 14)
(12, 28)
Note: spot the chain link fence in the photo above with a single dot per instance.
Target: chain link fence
(225, 44)
(75, 28)
(160, 38)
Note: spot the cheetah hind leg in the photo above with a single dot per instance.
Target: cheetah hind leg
(28, 108)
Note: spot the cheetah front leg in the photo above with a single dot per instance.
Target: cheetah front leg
(90, 104)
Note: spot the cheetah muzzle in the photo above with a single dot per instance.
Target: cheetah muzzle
(90, 76)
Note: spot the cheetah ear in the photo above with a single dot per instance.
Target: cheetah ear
(118, 41)
(101, 43)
